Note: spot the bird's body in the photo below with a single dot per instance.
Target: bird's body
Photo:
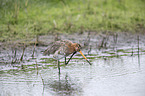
(60, 49)
(63, 48)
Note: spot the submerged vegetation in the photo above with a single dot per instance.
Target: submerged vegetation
(28, 18)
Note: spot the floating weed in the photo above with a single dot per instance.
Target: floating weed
(99, 56)
(47, 60)
(47, 66)
(12, 71)
(121, 50)
(142, 50)
(44, 58)
(44, 62)
(125, 55)
(112, 56)
(78, 58)
(32, 58)
(92, 55)
(108, 52)
(2, 72)
(112, 53)
(128, 52)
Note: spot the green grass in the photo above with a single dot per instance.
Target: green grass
(28, 18)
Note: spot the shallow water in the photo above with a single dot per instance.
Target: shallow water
(115, 71)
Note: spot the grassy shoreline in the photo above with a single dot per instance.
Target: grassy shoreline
(28, 18)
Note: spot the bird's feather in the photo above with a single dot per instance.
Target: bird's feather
(52, 48)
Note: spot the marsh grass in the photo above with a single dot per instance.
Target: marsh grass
(21, 19)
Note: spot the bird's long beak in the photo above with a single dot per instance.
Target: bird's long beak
(85, 57)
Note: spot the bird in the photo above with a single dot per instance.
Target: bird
(63, 48)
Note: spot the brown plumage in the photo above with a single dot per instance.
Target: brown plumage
(63, 48)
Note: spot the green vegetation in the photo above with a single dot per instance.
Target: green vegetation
(28, 18)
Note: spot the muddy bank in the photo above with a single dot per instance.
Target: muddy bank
(82, 38)
(15, 52)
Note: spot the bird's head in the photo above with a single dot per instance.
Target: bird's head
(77, 47)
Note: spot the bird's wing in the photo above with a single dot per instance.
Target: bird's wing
(52, 48)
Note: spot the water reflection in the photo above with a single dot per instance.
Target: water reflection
(62, 86)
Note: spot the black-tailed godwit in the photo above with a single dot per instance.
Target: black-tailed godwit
(63, 48)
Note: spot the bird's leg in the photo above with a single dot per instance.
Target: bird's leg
(70, 58)
(58, 66)
(65, 60)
